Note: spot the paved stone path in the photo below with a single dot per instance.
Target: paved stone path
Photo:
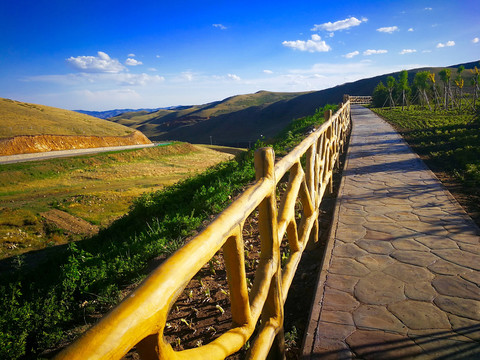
(401, 278)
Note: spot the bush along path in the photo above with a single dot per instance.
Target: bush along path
(47, 307)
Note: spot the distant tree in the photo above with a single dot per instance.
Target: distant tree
(445, 75)
(475, 81)
(391, 86)
(403, 86)
(431, 76)
(459, 82)
(420, 82)
(380, 95)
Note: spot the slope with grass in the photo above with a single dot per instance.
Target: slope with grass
(51, 202)
(233, 120)
(26, 128)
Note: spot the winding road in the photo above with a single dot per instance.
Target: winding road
(10, 159)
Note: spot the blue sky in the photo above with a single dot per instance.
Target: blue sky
(99, 55)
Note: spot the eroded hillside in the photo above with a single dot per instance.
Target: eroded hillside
(30, 128)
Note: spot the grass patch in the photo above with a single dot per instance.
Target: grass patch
(42, 308)
(97, 188)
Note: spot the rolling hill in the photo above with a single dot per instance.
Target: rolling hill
(27, 128)
(242, 119)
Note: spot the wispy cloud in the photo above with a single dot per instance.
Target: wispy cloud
(476, 40)
(132, 62)
(410, 30)
(407, 51)
(316, 44)
(351, 54)
(100, 64)
(374, 52)
(388, 29)
(131, 55)
(447, 44)
(339, 25)
(118, 79)
(428, 9)
(233, 77)
(266, 71)
(220, 26)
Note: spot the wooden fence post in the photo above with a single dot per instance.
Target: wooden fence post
(270, 248)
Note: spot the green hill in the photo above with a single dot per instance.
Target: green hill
(19, 118)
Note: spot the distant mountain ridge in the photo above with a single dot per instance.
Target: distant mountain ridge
(241, 120)
(111, 113)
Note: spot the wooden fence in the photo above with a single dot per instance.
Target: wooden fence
(360, 100)
(140, 319)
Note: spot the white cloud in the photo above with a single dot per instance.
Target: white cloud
(447, 44)
(339, 25)
(407, 51)
(410, 30)
(131, 55)
(316, 44)
(152, 69)
(426, 51)
(268, 71)
(132, 62)
(96, 64)
(428, 9)
(233, 77)
(476, 40)
(219, 26)
(388, 29)
(188, 75)
(374, 52)
(351, 54)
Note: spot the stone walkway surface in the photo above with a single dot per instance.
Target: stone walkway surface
(401, 275)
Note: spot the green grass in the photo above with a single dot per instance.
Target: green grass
(448, 139)
(40, 309)
(97, 188)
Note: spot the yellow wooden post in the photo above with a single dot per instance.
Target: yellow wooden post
(270, 251)
(234, 256)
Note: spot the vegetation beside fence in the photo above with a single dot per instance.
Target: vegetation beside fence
(40, 309)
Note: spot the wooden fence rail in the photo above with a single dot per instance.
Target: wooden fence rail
(360, 100)
(140, 319)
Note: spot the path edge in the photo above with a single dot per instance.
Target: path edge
(316, 307)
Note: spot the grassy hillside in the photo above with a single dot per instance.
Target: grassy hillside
(50, 202)
(243, 119)
(234, 115)
(19, 118)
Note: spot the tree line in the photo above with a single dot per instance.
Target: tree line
(427, 92)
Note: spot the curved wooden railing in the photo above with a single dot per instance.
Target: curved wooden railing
(140, 319)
